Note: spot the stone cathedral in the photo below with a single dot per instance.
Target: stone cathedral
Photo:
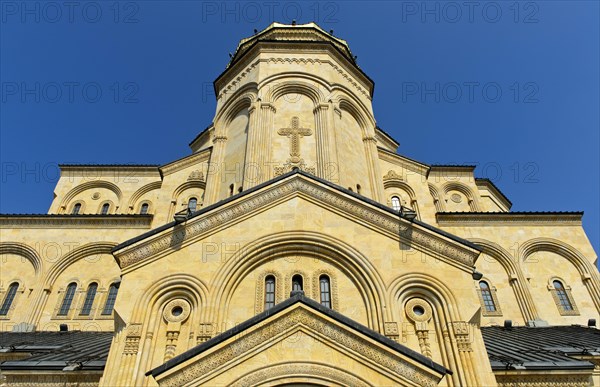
(294, 246)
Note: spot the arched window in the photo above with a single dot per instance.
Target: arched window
(105, 208)
(68, 299)
(110, 299)
(144, 209)
(396, 203)
(89, 299)
(358, 189)
(269, 292)
(325, 291)
(76, 209)
(9, 298)
(561, 294)
(486, 296)
(297, 283)
(192, 203)
(231, 190)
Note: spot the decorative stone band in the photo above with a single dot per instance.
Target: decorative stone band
(277, 371)
(350, 78)
(548, 380)
(516, 219)
(202, 370)
(76, 221)
(411, 234)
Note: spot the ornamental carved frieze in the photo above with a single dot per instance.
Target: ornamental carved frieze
(218, 218)
(302, 369)
(234, 84)
(547, 380)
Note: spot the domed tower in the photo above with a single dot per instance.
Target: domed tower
(292, 96)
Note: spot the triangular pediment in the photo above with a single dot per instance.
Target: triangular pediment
(297, 341)
(328, 196)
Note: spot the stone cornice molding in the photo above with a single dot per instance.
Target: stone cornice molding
(386, 140)
(494, 191)
(282, 33)
(97, 171)
(494, 219)
(402, 161)
(535, 378)
(75, 221)
(178, 165)
(223, 216)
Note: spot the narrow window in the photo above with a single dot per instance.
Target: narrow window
(76, 209)
(240, 189)
(9, 298)
(144, 209)
(396, 203)
(66, 304)
(350, 189)
(192, 203)
(231, 190)
(105, 208)
(297, 282)
(89, 299)
(269, 292)
(110, 299)
(561, 293)
(358, 189)
(486, 295)
(325, 291)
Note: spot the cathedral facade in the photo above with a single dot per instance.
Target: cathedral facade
(294, 246)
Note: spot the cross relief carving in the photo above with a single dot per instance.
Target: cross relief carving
(295, 132)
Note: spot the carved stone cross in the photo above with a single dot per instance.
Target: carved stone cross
(294, 133)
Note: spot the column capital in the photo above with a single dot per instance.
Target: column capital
(268, 105)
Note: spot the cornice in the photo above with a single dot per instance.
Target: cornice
(75, 221)
(283, 33)
(493, 189)
(403, 162)
(185, 162)
(494, 219)
(419, 236)
(385, 139)
(201, 135)
(87, 170)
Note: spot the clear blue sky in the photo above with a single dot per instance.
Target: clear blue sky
(511, 86)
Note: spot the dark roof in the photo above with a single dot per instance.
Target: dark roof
(56, 350)
(541, 348)
(238, 329)
(284, 176)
